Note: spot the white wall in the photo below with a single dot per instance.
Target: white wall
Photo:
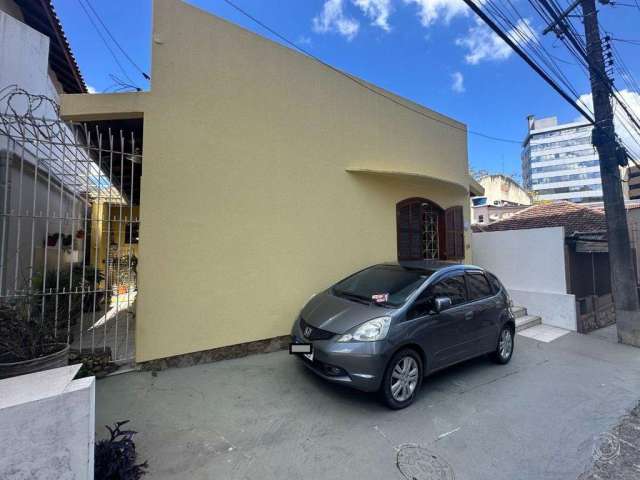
(531, 264)
(24, 58)
(48, 426)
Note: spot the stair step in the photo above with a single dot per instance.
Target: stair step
(527, 321)
(518, 311)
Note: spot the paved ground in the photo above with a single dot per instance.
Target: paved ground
(618, 452)
(266, 417)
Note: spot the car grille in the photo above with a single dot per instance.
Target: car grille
(316, 333)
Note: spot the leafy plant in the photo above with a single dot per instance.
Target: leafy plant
(24, 334)
(115, 457)
(66, 288)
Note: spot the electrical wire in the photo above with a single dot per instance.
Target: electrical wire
(104, 41)
(124, 52)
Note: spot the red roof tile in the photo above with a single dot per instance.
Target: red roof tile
(574, 217)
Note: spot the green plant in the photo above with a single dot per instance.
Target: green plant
(65, 287)
(115, 457)
(24, 335)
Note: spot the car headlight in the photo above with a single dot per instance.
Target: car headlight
(370, 331)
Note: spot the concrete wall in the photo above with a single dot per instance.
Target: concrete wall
(48, 425)
(267, 176)
(503, 189)
(24, 58)
(24, 61)
(531, 264)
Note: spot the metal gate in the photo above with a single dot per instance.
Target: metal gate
(69, 210)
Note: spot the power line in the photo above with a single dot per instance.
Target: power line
(359, 82)
(135, 65)
(104, 40)
(509, 41)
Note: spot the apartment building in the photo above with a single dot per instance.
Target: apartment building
(634, 182)
(559, 162)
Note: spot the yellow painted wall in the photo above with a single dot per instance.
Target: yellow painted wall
(247, 208)
(108, 224)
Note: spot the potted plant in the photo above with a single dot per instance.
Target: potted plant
(27, 340)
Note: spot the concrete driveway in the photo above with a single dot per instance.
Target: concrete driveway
(267, 417)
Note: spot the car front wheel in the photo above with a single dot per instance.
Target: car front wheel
(504, 349)
(402, 379)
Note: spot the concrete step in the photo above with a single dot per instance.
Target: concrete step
(518, 311)
(527, 321)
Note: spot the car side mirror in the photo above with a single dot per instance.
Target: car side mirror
(441, 303)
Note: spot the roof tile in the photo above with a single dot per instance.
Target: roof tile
(572, 216)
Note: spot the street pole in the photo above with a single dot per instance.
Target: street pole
(623, 278)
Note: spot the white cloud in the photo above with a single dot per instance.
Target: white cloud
(620, 119)
(303, 40)
(483, 44)
(457, 82)
(333, 19)
(90, 89)
(431, 10)
(377, 10)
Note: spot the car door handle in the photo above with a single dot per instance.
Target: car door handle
(468, 315)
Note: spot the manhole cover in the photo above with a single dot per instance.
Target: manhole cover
(607, 448)
(417, 463)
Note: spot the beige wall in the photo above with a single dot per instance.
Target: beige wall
(504, 189)
(247, 206)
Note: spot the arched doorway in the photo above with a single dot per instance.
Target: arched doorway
(426, 231)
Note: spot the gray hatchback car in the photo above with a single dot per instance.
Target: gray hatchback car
(385, 327)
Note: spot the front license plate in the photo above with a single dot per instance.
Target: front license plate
(306, 349)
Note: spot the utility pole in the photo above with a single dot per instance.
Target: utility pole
(623, 278)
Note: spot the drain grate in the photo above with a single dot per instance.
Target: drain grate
(417, 463)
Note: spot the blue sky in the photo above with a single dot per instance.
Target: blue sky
(431, 51)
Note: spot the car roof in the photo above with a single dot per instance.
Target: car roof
(434, 265)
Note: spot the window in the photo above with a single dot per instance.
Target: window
(561, 143)
(565, 178)
(131, 232)
(495, 283)
(454, 228)
(478, 286)
(480, 218)
(426, 231)
(396, 282)
(576, 188)
(452, 287)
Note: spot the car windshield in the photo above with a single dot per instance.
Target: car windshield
(388, 285)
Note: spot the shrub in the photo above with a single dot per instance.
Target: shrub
(115, 457)
(24, 335)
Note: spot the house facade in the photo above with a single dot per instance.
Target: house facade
(503, 197)
(267, 177)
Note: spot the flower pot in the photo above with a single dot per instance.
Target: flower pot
(58, 358)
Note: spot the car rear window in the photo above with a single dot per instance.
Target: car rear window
(495, 283)
(383, 284)
(478, 286)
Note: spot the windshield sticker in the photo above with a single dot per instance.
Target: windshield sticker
(380, 297)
